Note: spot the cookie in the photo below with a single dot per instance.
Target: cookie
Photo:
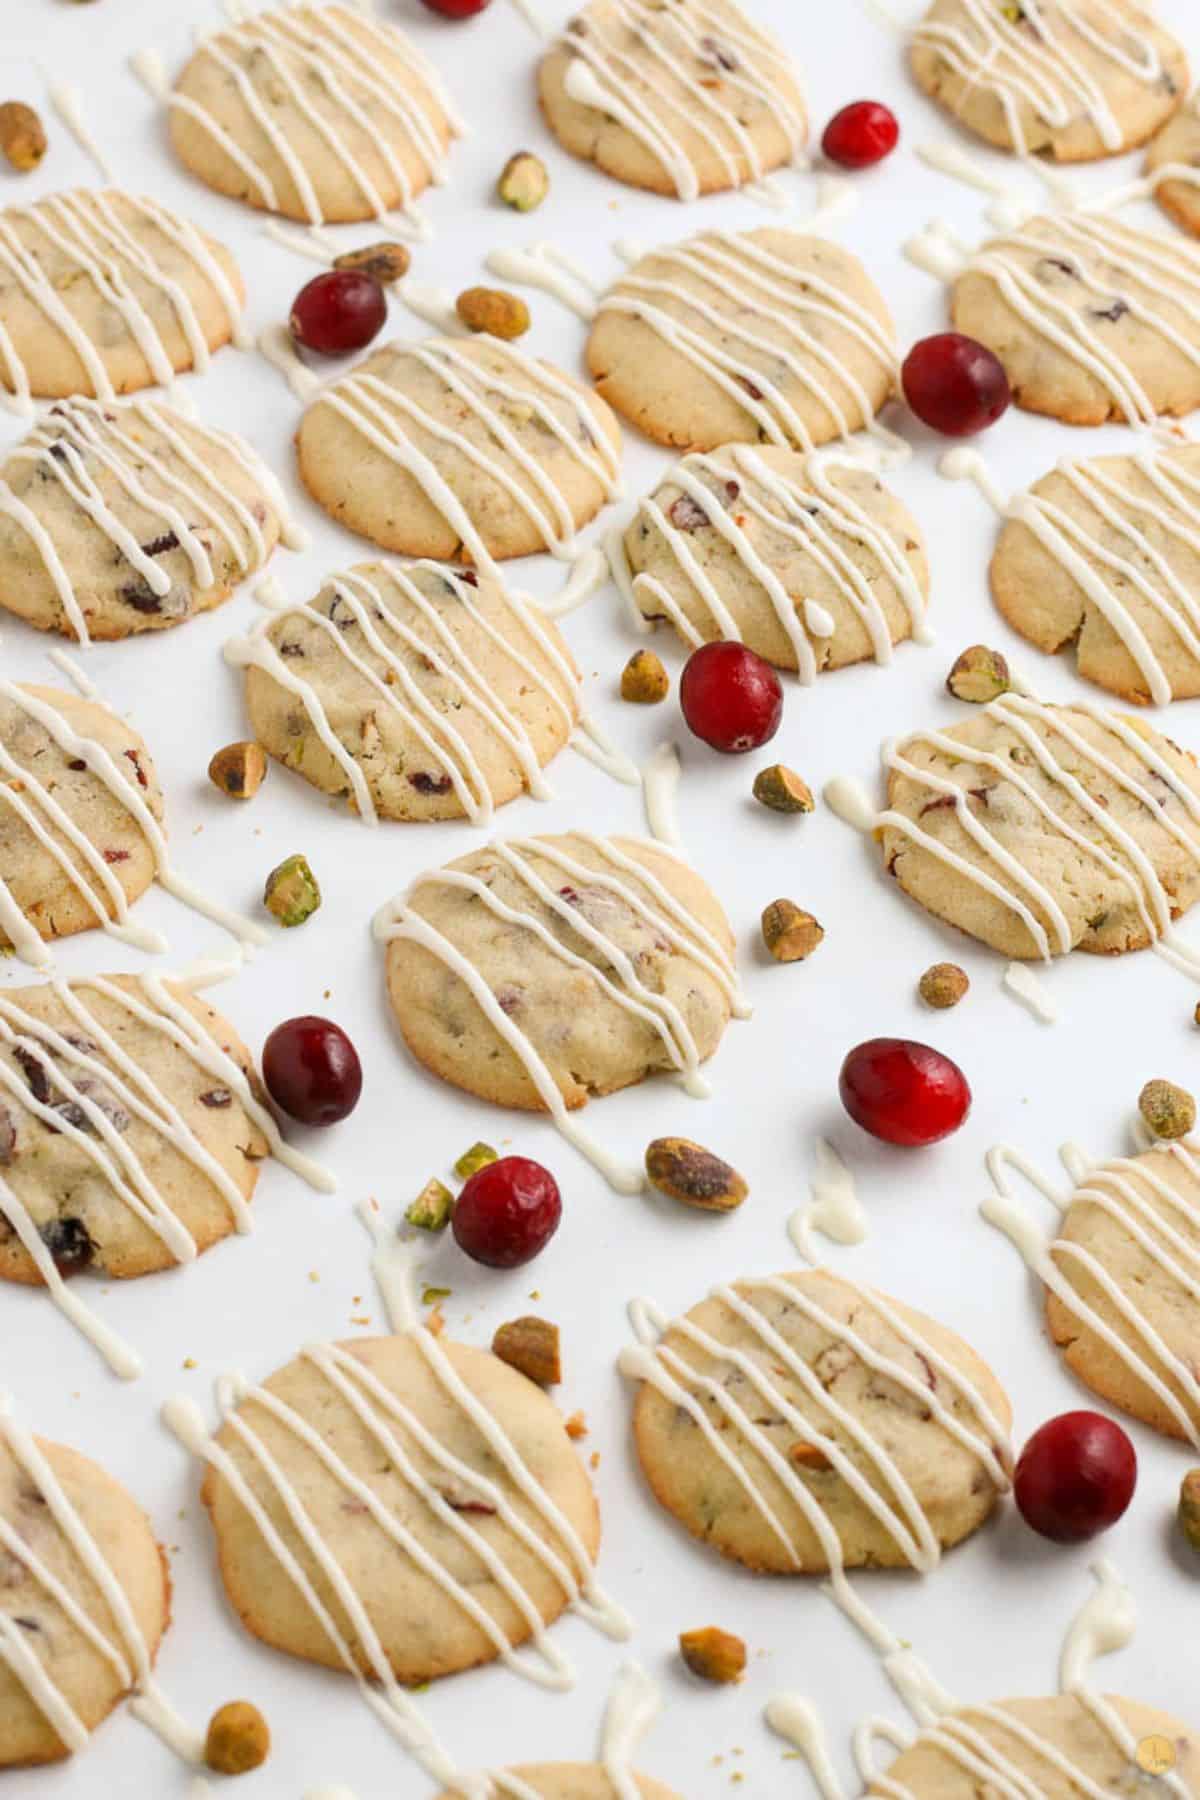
(460, 447)
(576, 1781)
(428, 1457)
(1093, 319)
(814, 567)
(541, 971)
(102, 293)
(415, 693)
(319, 113)
(801, 1424)
(1042, 829)
(1073, 81)
(1174, 160)
(123, 516)
(765, 336)
(72, 1540)
(688, 99)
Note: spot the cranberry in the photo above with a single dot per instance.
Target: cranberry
(457, 9)
(955, 385)
(312, 1070)
(1075, 1477)
(904, 1092)
(730, 697)
(507, 1212)
(861, 134)
(339, 311)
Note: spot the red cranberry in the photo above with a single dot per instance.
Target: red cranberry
(861, 134)
(954, 384)
(730, 697)
(1075, 1477)
(507, 1212)
(312, 1070)
(339, 311)
(904, 1092)
(457, 9)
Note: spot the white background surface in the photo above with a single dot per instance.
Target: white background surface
(991, 1619)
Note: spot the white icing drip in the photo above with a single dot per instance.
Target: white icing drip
(433, 304)
(547, 267)
(800, 1723)
(660, 787)
(1011, 204)
(834, 1208)
(67, 102)
(590, 739)
(1025, 987)
(277, 345)
(80, 680)
(849, 801)
(589, 573)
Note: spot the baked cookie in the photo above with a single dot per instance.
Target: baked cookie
(1174, 157)
(813, 566)
(1093, 319)
(1072, 81)
(1042, 829)
(687, 99)
(540, 971)
(320, 113)
(428, 1457)
(415, 693)
(123, 516)
(765, 336)
(71, 1539)
(460, 447)
(102, 293)
(577, 1781)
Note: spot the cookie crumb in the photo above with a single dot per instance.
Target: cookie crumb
(189, 1362)
(644, 679)
(1189, 1508)
(576, 1425)
(790, 933)
(531, 1346)
(689, 1173)
(713, 1655)
(979, 675)
(239, 770)
(22, 135)
(524, 181)
(493, 311)
(782, 790)
(1169, 1111)
(476, 1158)
(431, 1209)
(238, 1739)
(943, 985)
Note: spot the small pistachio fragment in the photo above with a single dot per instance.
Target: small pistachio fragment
(238, 1739)
(1189, 1508)
(808, 1456)
(239, 770)
(477, 1157)
(713, 1654)
(943, 985)
(524, 181)
(532, 1346)
(493, 311)
(688, 1172)
(386, 262)
(782, 790)
(431, 1209)
(291, 893)
(644, 679)
(22, 135)
(979, 675)
(1196, 1014)
(790, 933)
(1169, 1111)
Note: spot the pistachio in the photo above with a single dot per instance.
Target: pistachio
(689, 1173)
(808, 1456)
(782, 790)
(386, 262)
(943, 985)
(291, 893)
(1196, 1014)
(477, 1157)
(524, 181)
(1169, 1111)
(713, 1655)
(530, 1345)
(22, 135)
(644, 679)
(239, 770)
(1189, 1507)
(493, 311)
(431, 1209)
(979, 675)
(238, 1739)
(790, 933)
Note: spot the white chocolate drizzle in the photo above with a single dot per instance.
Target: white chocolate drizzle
(67, 101)
(545, 266)
(833, 1207)
(1029, 991)
(660, 789)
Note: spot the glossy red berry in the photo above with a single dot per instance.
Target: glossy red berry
(457, 9)
(904, 1092)
(507, 1212)
(861, 134)
(312, 1070)
(339, 311)
(1075, 1477)
(954, 384)
(730, 697)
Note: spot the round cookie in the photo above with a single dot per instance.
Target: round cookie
(1042, 829)
(606, 960)
(1081, 80)
(72, 850)
(1174, 156)
(764, 336)
(320, 113)
(577, 1781)
(80, 1676)
(411, 1458)
(1093, 319)
(459, 447)
(1105, 554)
(443, 692)
(688, 99)
(117, 1144)
(799, 1423)
(813, 567)
(103, 293)
(122, 517)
